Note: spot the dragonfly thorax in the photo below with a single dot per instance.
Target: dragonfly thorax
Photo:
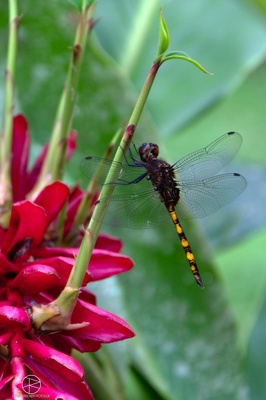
(160, 173)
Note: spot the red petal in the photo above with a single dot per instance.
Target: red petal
(2, 233)
(28, 221)
(65, 343)
(4, 339)
(74, 200)
(103, 326)
(71, 144)
(6, 266)
(35, 278)
(106, 263)
(5, 387)
(103, 263)
(52, 394)
(13, 315)
(63, 364)
(49, 252)
(87, 296)
(56, 370)
(52, 198)
(108, 242)
(20, 153)
(63, 267)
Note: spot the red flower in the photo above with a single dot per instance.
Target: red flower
(34, 270)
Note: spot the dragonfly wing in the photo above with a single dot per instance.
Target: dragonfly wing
(201, 198)
(138, 206)
(135, 203)
(98, 168)
(209, 161)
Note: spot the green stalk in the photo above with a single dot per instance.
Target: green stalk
(52, 169)
(92, 231)
(6, 136)
(107, 190)
(94, 183)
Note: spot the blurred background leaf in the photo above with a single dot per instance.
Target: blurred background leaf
(190, 343)
(226, 37)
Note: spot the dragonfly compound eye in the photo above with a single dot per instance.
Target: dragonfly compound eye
(148, 151)
(154, 150)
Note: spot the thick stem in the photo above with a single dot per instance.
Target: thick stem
(107, 190)
(6, 135)
(92, 231)
(53, 166)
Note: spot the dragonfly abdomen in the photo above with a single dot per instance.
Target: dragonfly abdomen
(186, 246)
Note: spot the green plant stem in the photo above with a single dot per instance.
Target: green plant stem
(53, 166)
(124, 144)
(135, 116)
(6, 136)
(94, 183)
(92, 231)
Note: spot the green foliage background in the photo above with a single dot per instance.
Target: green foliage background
(190, 343)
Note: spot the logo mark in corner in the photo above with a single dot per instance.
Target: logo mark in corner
(31, 384)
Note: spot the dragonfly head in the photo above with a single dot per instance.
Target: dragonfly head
(148, 151)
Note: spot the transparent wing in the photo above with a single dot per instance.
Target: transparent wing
(139, 206)
(136, 206)
(201, 198)
(99, 167)
(135, 203)
(209, 161)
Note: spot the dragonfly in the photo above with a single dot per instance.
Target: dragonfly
(148, 188)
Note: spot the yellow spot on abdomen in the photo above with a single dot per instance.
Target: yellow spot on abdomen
(184, 242)
(179, 229)
(190, 256)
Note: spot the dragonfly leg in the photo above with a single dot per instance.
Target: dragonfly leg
(134, 159)
(136, 180)
(186, 247)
